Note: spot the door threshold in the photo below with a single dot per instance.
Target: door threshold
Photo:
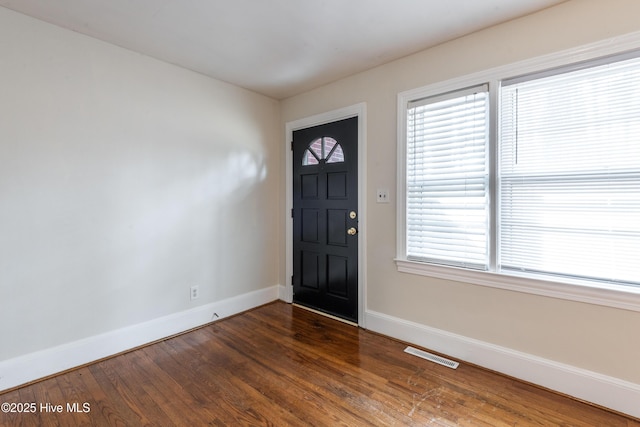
(322, 313)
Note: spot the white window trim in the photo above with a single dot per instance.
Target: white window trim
(617, 296)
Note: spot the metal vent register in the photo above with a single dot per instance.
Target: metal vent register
(432, 357)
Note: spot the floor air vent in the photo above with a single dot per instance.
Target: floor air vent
(432, 357)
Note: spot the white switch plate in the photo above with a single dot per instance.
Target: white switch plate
(382, 196)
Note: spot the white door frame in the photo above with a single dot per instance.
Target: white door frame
(358, 110)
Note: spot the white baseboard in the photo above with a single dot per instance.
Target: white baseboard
(33, 366)
(610, 392)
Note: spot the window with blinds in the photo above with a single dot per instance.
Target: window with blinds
(447, 176)
(569, 172)
(548, 188)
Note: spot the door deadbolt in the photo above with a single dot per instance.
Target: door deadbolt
(352, 231)
(353, 214)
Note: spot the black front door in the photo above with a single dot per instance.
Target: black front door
(325, 218)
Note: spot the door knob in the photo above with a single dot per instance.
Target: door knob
(352, 231)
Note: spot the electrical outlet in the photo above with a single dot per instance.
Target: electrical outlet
(195, 292)
(382, 196)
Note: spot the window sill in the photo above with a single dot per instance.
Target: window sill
(618, 296)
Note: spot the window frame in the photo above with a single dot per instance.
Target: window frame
(592, 292)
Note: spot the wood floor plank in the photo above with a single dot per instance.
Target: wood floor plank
(210, 388)
(231, 382)
(72, 397)
(271, 380)
(137, 389)
(26, 395)
(118, 405)
(101, 409)
(279, 365)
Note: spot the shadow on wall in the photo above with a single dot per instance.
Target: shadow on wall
(193, 224)
(232, 177)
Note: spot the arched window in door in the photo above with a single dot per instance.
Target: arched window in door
(325, 149)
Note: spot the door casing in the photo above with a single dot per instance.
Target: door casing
(357, 110)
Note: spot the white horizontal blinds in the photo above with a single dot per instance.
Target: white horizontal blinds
(569, 173)
(447, 209)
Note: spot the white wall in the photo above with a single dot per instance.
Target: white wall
(123, 182)
(590, 338)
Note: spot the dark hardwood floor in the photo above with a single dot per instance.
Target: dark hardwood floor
(281, 365)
